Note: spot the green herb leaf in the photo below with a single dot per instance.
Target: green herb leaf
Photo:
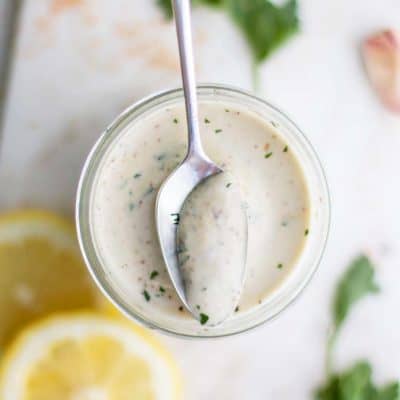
(353, 384)
(162, 290)
(153, 274)
(149, 190)
(357, 282)
(268, 155)
(146, 295)
(389, 392)
(166, 6)
(203, 318)
(211, 2)
(356, 384)
(265, 25)
(175, 218)
(160, 157)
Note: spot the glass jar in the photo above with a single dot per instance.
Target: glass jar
(307, 262)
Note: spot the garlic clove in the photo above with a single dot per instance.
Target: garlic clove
(381, 53)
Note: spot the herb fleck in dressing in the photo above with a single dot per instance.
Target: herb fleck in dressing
(212, 243)
(123, 222)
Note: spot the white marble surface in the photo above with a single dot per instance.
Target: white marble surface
(77, 68)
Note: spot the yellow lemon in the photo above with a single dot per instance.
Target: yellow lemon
(41, 269)
(87, 356)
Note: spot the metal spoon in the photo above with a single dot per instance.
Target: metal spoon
(195, 167)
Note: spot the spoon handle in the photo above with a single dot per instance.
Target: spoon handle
(184, 34)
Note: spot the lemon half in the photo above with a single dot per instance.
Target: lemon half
(87, 356)
(41, 269)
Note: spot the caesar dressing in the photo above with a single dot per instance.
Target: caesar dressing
(123, 198)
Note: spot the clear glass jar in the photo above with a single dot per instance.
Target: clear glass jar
(307, 262)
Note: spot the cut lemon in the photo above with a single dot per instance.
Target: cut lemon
(87, 356)
(41, 269)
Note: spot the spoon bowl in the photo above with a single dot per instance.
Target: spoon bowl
(171, 196)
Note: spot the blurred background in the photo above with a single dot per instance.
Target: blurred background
(76, 64)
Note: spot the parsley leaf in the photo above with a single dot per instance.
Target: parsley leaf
(357, 282)
(353, 384)
(211, 2)
(146, 295)
(265, 25)
(203, 318)
(153, 274)
(356, 384)
(166, 6)
(389, 392)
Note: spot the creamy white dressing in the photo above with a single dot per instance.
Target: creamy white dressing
(212, 244)
(132, 170)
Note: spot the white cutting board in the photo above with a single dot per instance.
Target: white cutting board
(78, 63)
